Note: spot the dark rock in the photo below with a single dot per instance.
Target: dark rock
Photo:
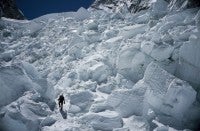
(138, 5)
(8, 8)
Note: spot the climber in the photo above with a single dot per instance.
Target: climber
(61, 100)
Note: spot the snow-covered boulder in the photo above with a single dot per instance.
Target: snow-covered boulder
(106, 121)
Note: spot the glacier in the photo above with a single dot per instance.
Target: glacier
(118, 70)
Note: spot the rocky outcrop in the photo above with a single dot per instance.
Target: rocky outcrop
(134, 6)
(8, 8)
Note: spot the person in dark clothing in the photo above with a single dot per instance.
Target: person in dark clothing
(61, 100)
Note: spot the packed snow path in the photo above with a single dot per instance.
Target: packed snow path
(117, 71)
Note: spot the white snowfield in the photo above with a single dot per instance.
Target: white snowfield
(118, 71)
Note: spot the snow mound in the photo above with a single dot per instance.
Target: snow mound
(107, 120)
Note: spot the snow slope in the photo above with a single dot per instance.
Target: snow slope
(117, 71)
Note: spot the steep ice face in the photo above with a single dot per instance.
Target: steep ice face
(170, 97)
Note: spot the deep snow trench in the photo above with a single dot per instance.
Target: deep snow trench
(117, 71)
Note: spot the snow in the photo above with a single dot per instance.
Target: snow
(81, 99)
(167, 94)
(127, 102)
(28, 114)
(118, 71)
(107, 120)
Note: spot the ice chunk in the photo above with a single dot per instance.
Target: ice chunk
(91, 36)
(162, 52)
(100, 72)
(82, 14)
(13, 83)
(167, 95)
(74, 109)
(131, 63)
(131, 31)
(8, 55)
(158, 8)
(106, 88)
(107, 120)
(92, 25)
(127, 102)
(180, 96)
(136, 123)
(48, 121)
(81, 99)
(147, 47)
(24, 114)
(197, 20)
(189, 66)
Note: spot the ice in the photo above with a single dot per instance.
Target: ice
(106, 88)
(132, 63)
(100, 72)
(189, 66)
(14, 83)
(158, 8)
(161, 53)
(197, 20)
(127, 102)
(131, 31)
(107, 120)
(48, 121)
(8, 55)
(74, 109)
(82, 14)
(167, 94)
(24, 114)
(92, 25)
(138, 123)
(82, 99)
(100, 60)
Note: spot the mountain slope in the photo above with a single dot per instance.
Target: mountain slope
(117, 70)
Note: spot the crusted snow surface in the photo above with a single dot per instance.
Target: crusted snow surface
(117, 71)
